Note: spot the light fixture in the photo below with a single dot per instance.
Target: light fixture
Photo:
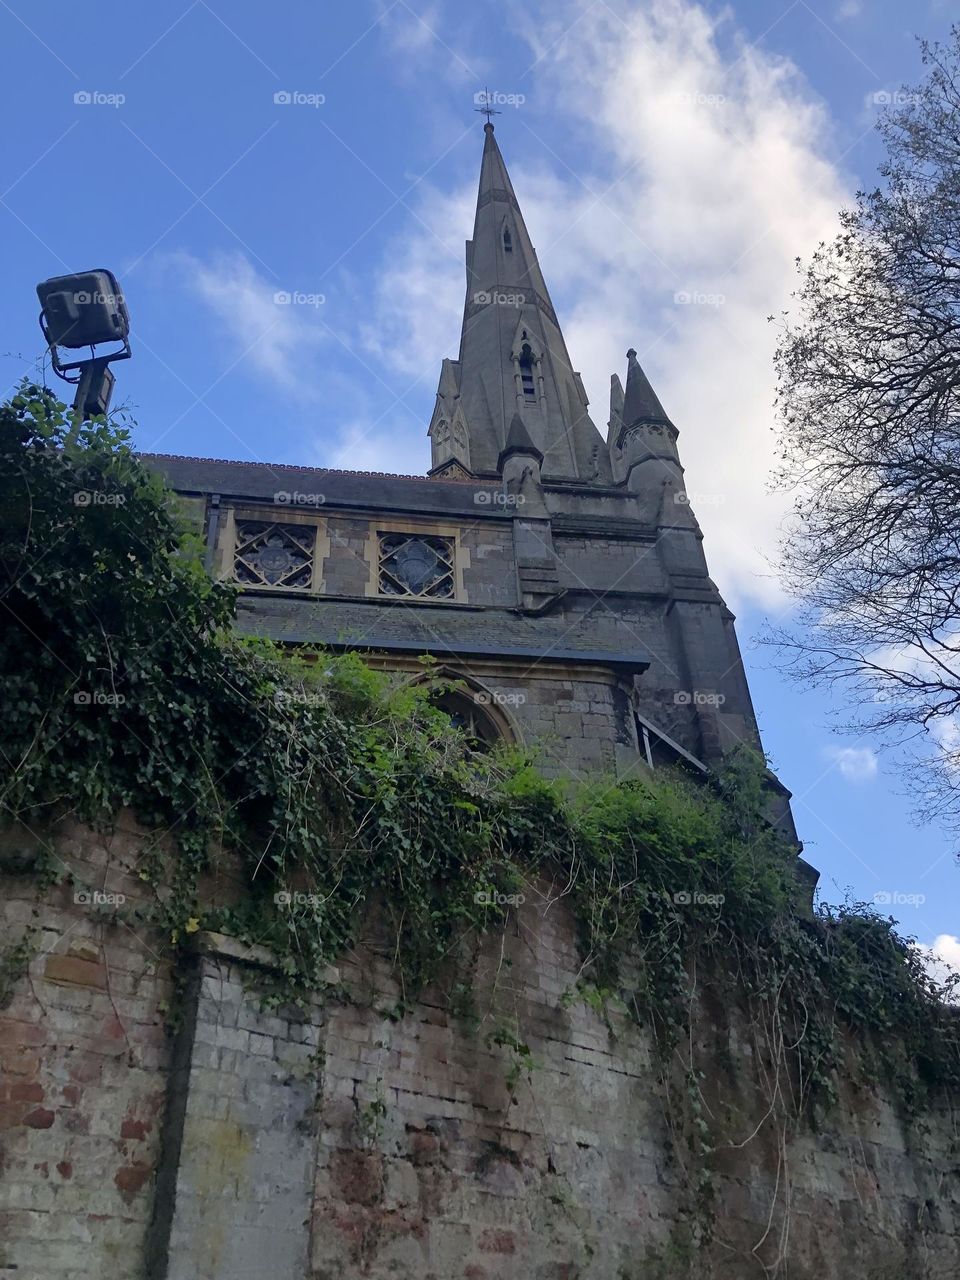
(85, 310)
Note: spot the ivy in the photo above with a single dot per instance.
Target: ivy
(325, 792)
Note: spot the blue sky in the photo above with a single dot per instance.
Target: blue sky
(659, 150)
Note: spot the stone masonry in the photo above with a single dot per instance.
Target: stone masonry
(528, 1137)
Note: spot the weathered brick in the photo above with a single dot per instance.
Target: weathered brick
(39, 1118)
(19, 1035)
(75, 971)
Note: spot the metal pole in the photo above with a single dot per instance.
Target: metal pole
(83, 387)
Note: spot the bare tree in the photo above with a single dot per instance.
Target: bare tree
(869, 406)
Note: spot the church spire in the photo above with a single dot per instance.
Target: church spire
(641, 407)
(513, 358)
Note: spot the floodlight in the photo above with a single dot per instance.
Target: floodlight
(84, 310)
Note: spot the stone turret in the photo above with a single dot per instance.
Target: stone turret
(645, 445)
(449, 438)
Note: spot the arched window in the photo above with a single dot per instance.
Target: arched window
(507, 239)
(526, 363)
(471, 717)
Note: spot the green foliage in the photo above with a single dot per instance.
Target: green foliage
(370, 1118)
(524, 1063)
(330, 790)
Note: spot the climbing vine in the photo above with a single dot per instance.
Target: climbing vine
(331, 791)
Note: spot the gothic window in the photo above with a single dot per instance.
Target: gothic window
(507, 240)
(417, 565)
(269, 554)
(527, 372)
(469, 716)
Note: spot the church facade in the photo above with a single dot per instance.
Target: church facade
(558, 574)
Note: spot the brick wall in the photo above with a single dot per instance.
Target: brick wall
(476, 1170)
(342, 1141)
(84, 1056)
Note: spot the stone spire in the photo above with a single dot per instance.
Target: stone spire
(646, 452)
(518, 441)
(513, 359)
(641, 407)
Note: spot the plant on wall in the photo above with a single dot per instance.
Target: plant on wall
(335, 790)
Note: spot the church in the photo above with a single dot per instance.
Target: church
(555, 573)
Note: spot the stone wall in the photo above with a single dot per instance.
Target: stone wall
(527, 1137)
(84, 1057)
(234, 1190)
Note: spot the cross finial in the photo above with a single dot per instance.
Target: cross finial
(486, 98)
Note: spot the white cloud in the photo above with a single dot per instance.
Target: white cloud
(943, 956)
(848, 9)
(288, 341)
(360, 446)
(277, 338)
(910, 666)
(856, 764)
(419, 304)
(423, 41)
(687, 166)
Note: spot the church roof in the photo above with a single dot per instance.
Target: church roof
(293, 488)
(202, 465)
(444, 631)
